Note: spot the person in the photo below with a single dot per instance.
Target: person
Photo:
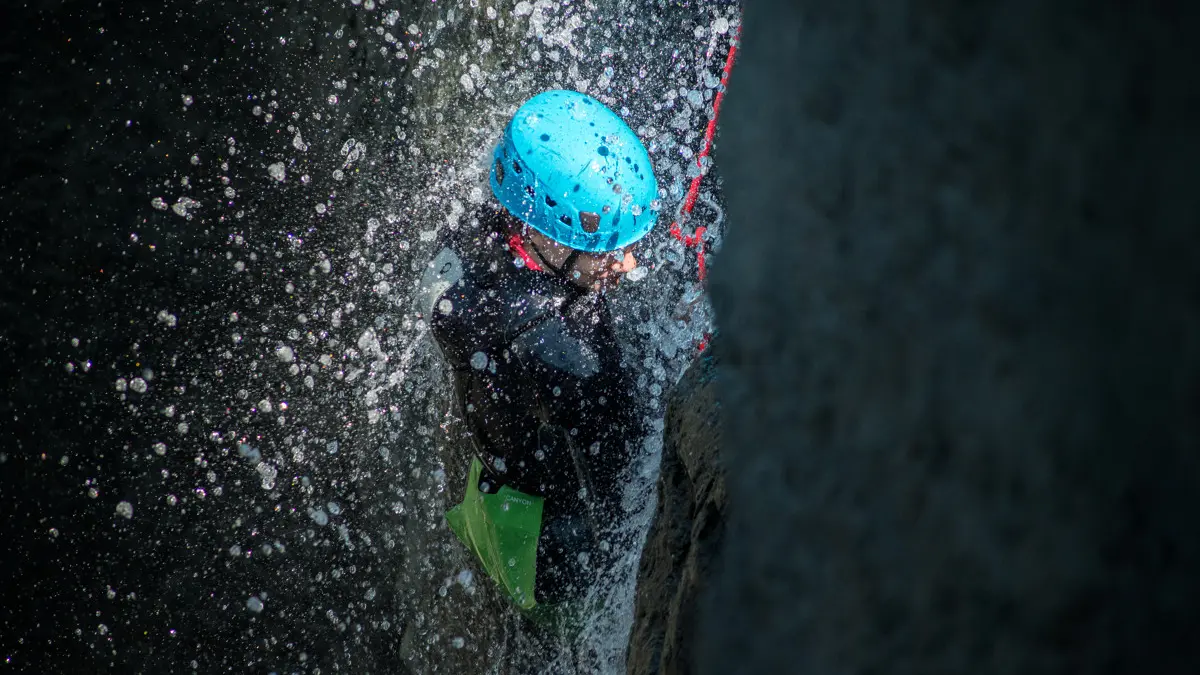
(516, 303)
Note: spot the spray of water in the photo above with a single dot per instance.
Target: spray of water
(298, 423)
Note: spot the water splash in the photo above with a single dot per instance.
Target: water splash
(300, 407)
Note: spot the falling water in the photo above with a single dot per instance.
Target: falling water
(286, 431)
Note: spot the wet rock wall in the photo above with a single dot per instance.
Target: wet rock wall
(678, 560)
(959, 320)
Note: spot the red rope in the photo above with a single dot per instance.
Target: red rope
(518, 247)
(696, 238)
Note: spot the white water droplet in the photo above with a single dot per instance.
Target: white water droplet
(479, 360)
(319, 517)
(125, 509)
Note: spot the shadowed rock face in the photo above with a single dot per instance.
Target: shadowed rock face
(688, 528)
(958, 305)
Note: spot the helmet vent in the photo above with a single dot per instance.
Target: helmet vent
(516, 166)
(566, 219)
(500, 172)
(590, 222)
(550, 202)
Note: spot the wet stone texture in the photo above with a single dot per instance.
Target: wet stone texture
(678, 558)
(959, 313)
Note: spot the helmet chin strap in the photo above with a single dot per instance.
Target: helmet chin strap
(561, 272)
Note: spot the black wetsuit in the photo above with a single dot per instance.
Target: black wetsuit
(539, 382)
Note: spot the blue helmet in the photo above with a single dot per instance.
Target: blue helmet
(574, 171)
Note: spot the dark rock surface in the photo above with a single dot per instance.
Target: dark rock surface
(677, 561)
(959, 318)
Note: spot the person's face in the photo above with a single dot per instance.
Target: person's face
(596, 271)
